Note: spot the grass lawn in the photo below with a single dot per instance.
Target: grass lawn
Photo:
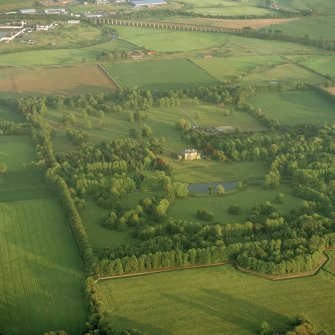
(297, 107)
(228, 68)
(66, 80)
(186, 209)
(156, 75)
(99, 236)
(199, 171)
(16, 151)
(216, 301)
(40, 272)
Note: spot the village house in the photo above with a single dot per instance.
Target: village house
(189, 155)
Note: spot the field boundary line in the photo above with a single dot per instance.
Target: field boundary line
(109, 76)
(149, 272)
(202, 69)
(306, 67)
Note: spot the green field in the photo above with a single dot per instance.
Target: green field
(229, 68)
(284, 73)
(315, 27)
(293, 108)
(216, 300)
(8, 114)
(320, 5)
(164, 40)
(61, 56)
(226, 7)
(16, 152)
(185, 209)
(156, 75)
(23, 185)
(40, 273)
(322, 64)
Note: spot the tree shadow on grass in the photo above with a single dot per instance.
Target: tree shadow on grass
(230, 309)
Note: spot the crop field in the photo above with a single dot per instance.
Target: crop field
(228, 68)
(16, 152)
(216, 300)
(226, 7)
(157, 75)
(321, 5)
(58, 80)
(314, 27)
(227, 23)
(23, 185)
(61, 56)
(40, 272)
(164, 40)
(186, 209)
(243, 45)
(293, 108)
(282, 73)
(14, 4)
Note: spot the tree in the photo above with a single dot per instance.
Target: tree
(220, 189)
(264, 329)
(3, 167)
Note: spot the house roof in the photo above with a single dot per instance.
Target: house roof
(148, 2)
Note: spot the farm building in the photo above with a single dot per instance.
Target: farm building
(28, 11)
(53, 11)
(148, 3)
(189, 155)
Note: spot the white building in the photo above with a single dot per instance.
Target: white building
(28, 11)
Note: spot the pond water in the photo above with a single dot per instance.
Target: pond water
(203, 187)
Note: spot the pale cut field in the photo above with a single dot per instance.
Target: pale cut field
(235, 24)
(58, 80)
